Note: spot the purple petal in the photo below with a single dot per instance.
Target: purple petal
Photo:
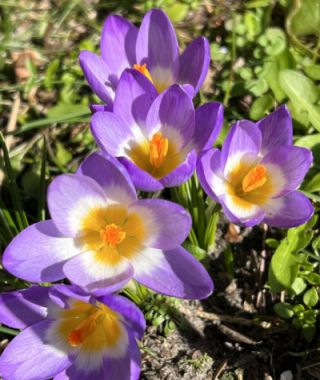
(276, 129)
(135, 358)
(30, 356)
(242, 142)
(173, 114)
(70, 198)
(111, 133)
(97, 73)
(161, 218)
(182, 172)
(22, 308)
(157, 46)
(134, 96)
(174, 273)
(97, 277)
(38, 253)
(100, 108)
(287, 166)
(140, 178)
(209, 120)
(118, 42)
(133, 317)
(290, 211)
(62, 294)
(194, 63)
(210, 174)
(111, 176)
(245, 216)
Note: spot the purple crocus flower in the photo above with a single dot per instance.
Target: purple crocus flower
(68, 334)
(257, 172)
(156, 136)
(100, 236)
(152, 49)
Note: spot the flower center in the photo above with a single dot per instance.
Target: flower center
(84, 328)
(112, 235)
(158, 150)
(143, 70)
(255, 178)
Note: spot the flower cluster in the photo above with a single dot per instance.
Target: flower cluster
(101, 235)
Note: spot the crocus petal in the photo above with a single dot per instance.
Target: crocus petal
(140, 178)
(118, 41)
(240, 212)
(70, 198)
(111, 176)
(111, 133)
(194, 63)
(132, 315)
(210, 174)
(30, 355)
(100, 108)
(161, 218)
(287, 166)
(157, 46)
(38, 253)
(134, 96)
(276, 130)
(290, 211)
(173, 114)
(242, 143)
(97, 74)
(182, 172)
(209, 120)
(22, 308)
(95, 276)
(174, 273)
(135, 358)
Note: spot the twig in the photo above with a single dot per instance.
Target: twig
(220, 369)
(235, 335)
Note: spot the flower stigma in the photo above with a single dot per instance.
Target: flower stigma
(112, 235)
(143, 70)
(254, 179)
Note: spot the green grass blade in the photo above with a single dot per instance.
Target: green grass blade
(6, 330)
(42, 184)
(20, 215)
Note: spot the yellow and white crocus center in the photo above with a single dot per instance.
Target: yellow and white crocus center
(249, 185)
(90, 327)
(157, 156)
(112, 233)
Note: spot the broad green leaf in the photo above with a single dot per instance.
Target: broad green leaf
(308, 141)
(299, 285)
(307, 17)
(177, 12)
(302, 92)
(196, 251)
(284, 310)
(313, 278)
(313, 71)
(311, 297)
(261, 106)
(313, 185)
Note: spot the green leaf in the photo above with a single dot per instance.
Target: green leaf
(308, 332)
(276, 41)
(313, 278)
(299, 285)
(303, 93)
(177, 12)
(311, 297)
(272, 243)
(257, 86)
(196, 251)
(63, 156)
(308, 141)
(284, 310)
(313, 185)
(261, 106)
(307, 19)
(313, 71)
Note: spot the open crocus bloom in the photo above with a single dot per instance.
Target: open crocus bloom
(101, 236)
(257, 172)
(68, 334)
(156, 137)
(152, 49)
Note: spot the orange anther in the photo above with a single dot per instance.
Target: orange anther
(255, 178)
(143, 70)
(112, 235)
(158, 150)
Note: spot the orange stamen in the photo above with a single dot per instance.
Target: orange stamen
(255, 178)
(158, 150)
(143, 70)
(84, 329)
(112, 235)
